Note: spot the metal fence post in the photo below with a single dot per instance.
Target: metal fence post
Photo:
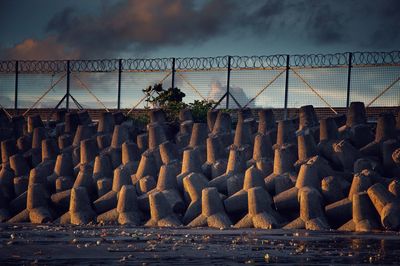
(173, 73)
(349, 79)
(286, 86)
(16, 88)
(67, 93)
(119, 83)
(228, 79)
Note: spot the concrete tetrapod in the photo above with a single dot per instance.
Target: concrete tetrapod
(365, 217)
(345, 155)
(307, 117)
(211, 118)
(390, 167)
(237, 203)
(80, 211)
(385, 130)
(212, 211)
(306, 147)
(199, 135)
(142, 141)
(161, 212)
(157, 115)
(223, 128)
(146, 167)
(83, 132)
(356, 114)
(167, 185)
(243, 137)
(64, 142)
(88, 151)
(156, 135)
(145, 184)
(119, 136)
(191, 163)
(284, 159)
(198, 140)
(71, 122)
(234, 171)
(216, 162)
(312, 215)
(182, 139)
(84, 179)
(34, 121)
(168, 152)
(394, 188)
(103, 141)
(285, 133)
(367, 163)
(37, 210)
(328, 135)
(102, 168)
(50, 152)
(130, 157)
(396, 156)
(8, 149)
(262, 147)
(267, 123)
(340, 212)
(4, 208)
(356, 129)
(127, 210)
(64, 167)
(21, 171)
(24, 143)
(386, 205)
(334, 188)
(106, 123)
(109, 200)
(262, 154)
(18, 204)
(194, 184)
(260, 213)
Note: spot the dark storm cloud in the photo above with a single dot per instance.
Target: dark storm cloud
(142, 25)
(315, 20)
(388, 31)
(372, 24)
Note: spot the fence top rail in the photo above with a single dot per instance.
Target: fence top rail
(204, 63)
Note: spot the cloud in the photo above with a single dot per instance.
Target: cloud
(138, 28)
(33, 49)
(218, 90)
(139, 25)
(372, 24)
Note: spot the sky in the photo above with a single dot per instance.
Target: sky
(49, 29)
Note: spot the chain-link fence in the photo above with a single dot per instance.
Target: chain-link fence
(329, 81)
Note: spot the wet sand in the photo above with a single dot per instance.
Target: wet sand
(53, 244)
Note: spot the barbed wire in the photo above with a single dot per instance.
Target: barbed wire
(161, 64)
(201, 63)
(105, 65)
(7, 66)
(204, 63)
(45, 66)
(272, 61)
(376, 58)
(319, 60)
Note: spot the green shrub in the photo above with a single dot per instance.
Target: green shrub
(171, 101)
(199, 109)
